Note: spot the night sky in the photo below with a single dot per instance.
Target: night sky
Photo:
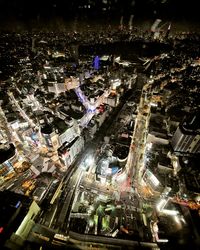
(29, 10)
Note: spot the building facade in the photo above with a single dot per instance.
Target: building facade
(8, 157)
(186, 141)
(69, 151)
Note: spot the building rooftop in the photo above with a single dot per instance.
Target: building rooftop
(191, 124)
(67, 145)
(120, 151)
(192, 181)
(47, 129)
(60, 125)
(75, 114)
(164, 160)
(13, 207)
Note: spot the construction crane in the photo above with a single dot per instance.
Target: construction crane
(121, 23)
(130, 23)
(156, 29)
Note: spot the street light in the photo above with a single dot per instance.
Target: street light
(89, 161)
(149, 145)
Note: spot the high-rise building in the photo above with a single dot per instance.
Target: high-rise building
(187, 137)
(19, 212)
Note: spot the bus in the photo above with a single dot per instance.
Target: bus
(115, 233)
(60, 239)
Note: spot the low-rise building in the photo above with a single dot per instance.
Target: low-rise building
(92, 128)
(8, 157)
(58, 132)
(112, 100)
(56, 87)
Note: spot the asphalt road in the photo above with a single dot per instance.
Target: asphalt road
(16, 182)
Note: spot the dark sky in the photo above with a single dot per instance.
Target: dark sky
(25, 10)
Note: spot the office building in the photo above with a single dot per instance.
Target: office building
(187, 137)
